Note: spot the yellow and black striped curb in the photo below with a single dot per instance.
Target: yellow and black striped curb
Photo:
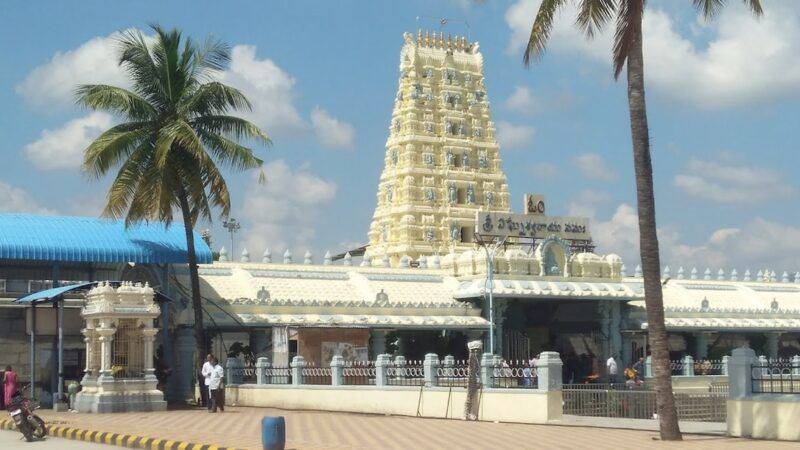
(119, 439)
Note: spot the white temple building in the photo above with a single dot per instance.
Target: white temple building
(422, 283)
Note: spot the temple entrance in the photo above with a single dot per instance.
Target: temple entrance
(571, 328)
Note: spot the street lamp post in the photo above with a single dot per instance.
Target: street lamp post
(232, 226)
(491, 251)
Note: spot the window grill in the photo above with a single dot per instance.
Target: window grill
(127, 351)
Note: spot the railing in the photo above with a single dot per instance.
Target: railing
(455, 375)
(776, 377)
(412, 373)
(641, 404)
(718, 387)
(677, 367)
(603, 386)
(515, 375)
(709, 367)
(358, 373)
(248, 374)
(316, 375)
(278, 375)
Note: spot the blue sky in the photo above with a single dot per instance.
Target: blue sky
(722, 103)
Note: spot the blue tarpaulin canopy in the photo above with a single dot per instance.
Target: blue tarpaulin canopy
(86, 239)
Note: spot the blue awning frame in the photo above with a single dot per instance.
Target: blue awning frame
(50, 295)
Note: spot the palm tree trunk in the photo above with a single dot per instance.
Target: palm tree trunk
(194, 281)
(648, 241)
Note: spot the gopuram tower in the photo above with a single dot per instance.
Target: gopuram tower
(442, 161)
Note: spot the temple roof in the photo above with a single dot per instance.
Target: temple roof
(528, 288)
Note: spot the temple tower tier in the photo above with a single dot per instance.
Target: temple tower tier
(442, 161)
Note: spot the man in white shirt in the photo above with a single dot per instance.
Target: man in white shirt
(216, 387)
(206, 372)
(611, 366)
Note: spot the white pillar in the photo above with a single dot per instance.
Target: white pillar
(740, 373)
(548, 369)
(149, 335)
(106, 340)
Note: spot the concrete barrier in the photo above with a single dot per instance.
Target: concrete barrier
(501, 405)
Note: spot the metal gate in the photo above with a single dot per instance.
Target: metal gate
(617, 401)
(516, 346)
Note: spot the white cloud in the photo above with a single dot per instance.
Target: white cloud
(758, 244)
(524, 101)
(51, 86)
(586, 203)
(745, 61)
(511, 136)
(726, 183)
(269, 89)
(544, 170)
(619, 235)
(16, 200)
(284, 212)
(594, 167)
(521, 100)
(63, 147)
(332, 132)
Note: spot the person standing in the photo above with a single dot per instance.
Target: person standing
(611, 366)
(216, 386)
(9, 385)
(205, 389)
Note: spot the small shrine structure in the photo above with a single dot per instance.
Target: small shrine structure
(119, 336)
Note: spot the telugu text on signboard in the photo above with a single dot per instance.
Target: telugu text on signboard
(531, 226)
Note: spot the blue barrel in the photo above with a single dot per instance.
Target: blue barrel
(273, 433)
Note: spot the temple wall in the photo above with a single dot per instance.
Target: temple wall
(765, 417)
(499, 405)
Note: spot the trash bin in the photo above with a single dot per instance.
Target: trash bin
(273, 433)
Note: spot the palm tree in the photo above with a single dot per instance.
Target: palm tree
(592, 16)
(174, 137)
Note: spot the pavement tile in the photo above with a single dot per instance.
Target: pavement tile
(240, 427)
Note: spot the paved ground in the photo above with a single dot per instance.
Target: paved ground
(240, 427)
(13, 440)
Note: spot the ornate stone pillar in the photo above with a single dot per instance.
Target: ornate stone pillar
(106, 340)
(627, 351)
(500, 307)
(149, 337)
(604, 311)
(88, 339)
(615, 331)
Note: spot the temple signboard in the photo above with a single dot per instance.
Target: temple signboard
(531, 226)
